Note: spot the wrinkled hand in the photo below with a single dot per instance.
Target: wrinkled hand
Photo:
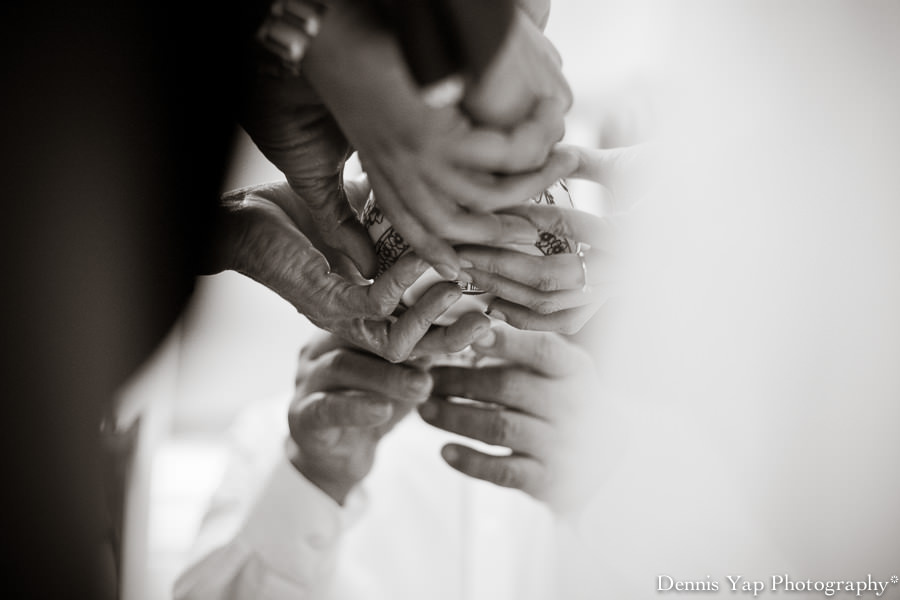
(295, 131)
(434, 173)
(541, 394)
(347, 400)
(267, 235)
(560, 293)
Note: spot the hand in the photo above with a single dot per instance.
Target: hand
(267, 235)
(526, 70)
(434, 173)
(560, 292)
(544, 389)
(347, 400)
(294, 130)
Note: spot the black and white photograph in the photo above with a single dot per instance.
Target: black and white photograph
(451, 300)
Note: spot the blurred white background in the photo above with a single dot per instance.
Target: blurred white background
(769, 347)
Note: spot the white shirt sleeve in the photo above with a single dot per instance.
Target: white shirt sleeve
(269, 533)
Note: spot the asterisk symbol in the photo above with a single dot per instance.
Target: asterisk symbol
(895, 579)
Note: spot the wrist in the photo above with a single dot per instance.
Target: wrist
(286, 33)
(336, 487)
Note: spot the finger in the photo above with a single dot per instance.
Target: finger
(433, 249)
(523, 149)
(486, 228)
(334, 218)
(480, 192)
(434, 219)
(512, 387)
(543, 273)
(345, 369)
(606, 166)
(267, 247)
(453, 338)
(521, 433)
(599, 232)
(519, 472)
(287, 127)
(386, 291)
(395, 340)
(440, 214)
(541, 351)
(543, 303)
(568, 322)
(325, 410)
(536, 136)
(530, 185)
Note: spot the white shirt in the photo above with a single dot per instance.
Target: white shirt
(415, 529)
(669, 504)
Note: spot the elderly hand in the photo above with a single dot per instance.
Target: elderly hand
(437, 176)
(563, 291)
(540, 394)
(347, 400)
(294, 130)
(267, 235)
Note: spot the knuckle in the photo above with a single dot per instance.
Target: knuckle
(528, 155)
(336, 360)
(547, 306)
(501, 431)
(528, 321)
(556, 223)
(503, 383)
(507, 475)
(534, 155)
(394, 355)
(547, 282)
(320, 411)
(380, 305)
(414, 383)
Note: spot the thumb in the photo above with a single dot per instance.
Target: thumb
(327, 201)
(606, 165)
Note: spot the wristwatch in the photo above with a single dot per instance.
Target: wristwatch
(286, 33)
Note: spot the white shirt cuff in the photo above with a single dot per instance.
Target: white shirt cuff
(294, 527)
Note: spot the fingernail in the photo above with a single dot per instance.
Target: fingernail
(464, 277)
(450, 453)
(428, 411)
(485, 339)
(466, 264)
(496, 314)
(420, 383)
(446, 271)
